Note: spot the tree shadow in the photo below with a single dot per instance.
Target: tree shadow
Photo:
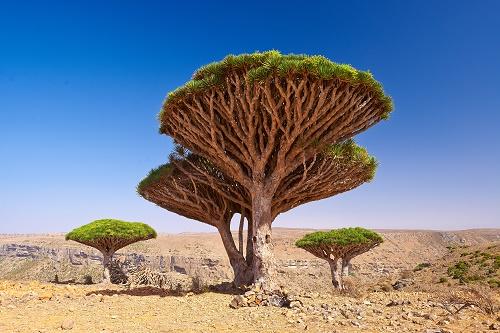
(139, 291)
(226, 288)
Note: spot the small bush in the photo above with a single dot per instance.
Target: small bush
(354, 289)
(496, 263)
(443, 280)
(479, 297)
(494, 283)
(421, 266)
(459, 270)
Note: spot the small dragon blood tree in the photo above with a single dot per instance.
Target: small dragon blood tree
(259, 117)
(340, 244)
(108, 236)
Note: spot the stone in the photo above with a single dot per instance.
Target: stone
(430, 316)
(67, 324)
(238, 301)
(276, 300)
(398, 302)
(400, 284)
(494, 327)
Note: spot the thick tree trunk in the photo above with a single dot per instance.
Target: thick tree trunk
(336, 277)
(243, 274)
(249, 252)
(106, 262)
(263, 257)
(346, 262)
(240, 232)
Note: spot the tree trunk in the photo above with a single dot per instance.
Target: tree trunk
(336, 278)
(106, 262)
(346, 262)
(263, 257)
(240, 232)
(249, 253)
(242, 272)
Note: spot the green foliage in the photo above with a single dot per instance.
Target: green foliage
(153, 176)
(421, 266)
(496, 262)
(342, 237)
(261, 65)
(459, 270)
(442, 279)
(352, 153)
(110, 228)
(494, 283)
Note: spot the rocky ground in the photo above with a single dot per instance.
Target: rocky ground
(42, 307)
(398, 287)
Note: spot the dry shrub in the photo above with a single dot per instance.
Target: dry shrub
(406, 274)
(481, 297)
(354, 288)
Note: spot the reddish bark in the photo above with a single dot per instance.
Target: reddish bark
(258, 133)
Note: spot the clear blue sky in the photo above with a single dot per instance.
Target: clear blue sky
(81, 83)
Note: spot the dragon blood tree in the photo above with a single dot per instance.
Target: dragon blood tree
(190, 186)
(258, 117)
(108, 236)
(339, 245)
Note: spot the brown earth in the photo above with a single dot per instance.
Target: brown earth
(33, 306)
(39, 307)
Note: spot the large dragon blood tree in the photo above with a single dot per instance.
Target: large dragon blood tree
(339, 247)
(258, 117)
(191, 186)
(108, 236)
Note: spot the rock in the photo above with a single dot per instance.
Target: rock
(430, 316)
(296, 304)
(68, 324)
(398, 302)
(400, 284)
(238, 301)
(277, 300)
(494, 327)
